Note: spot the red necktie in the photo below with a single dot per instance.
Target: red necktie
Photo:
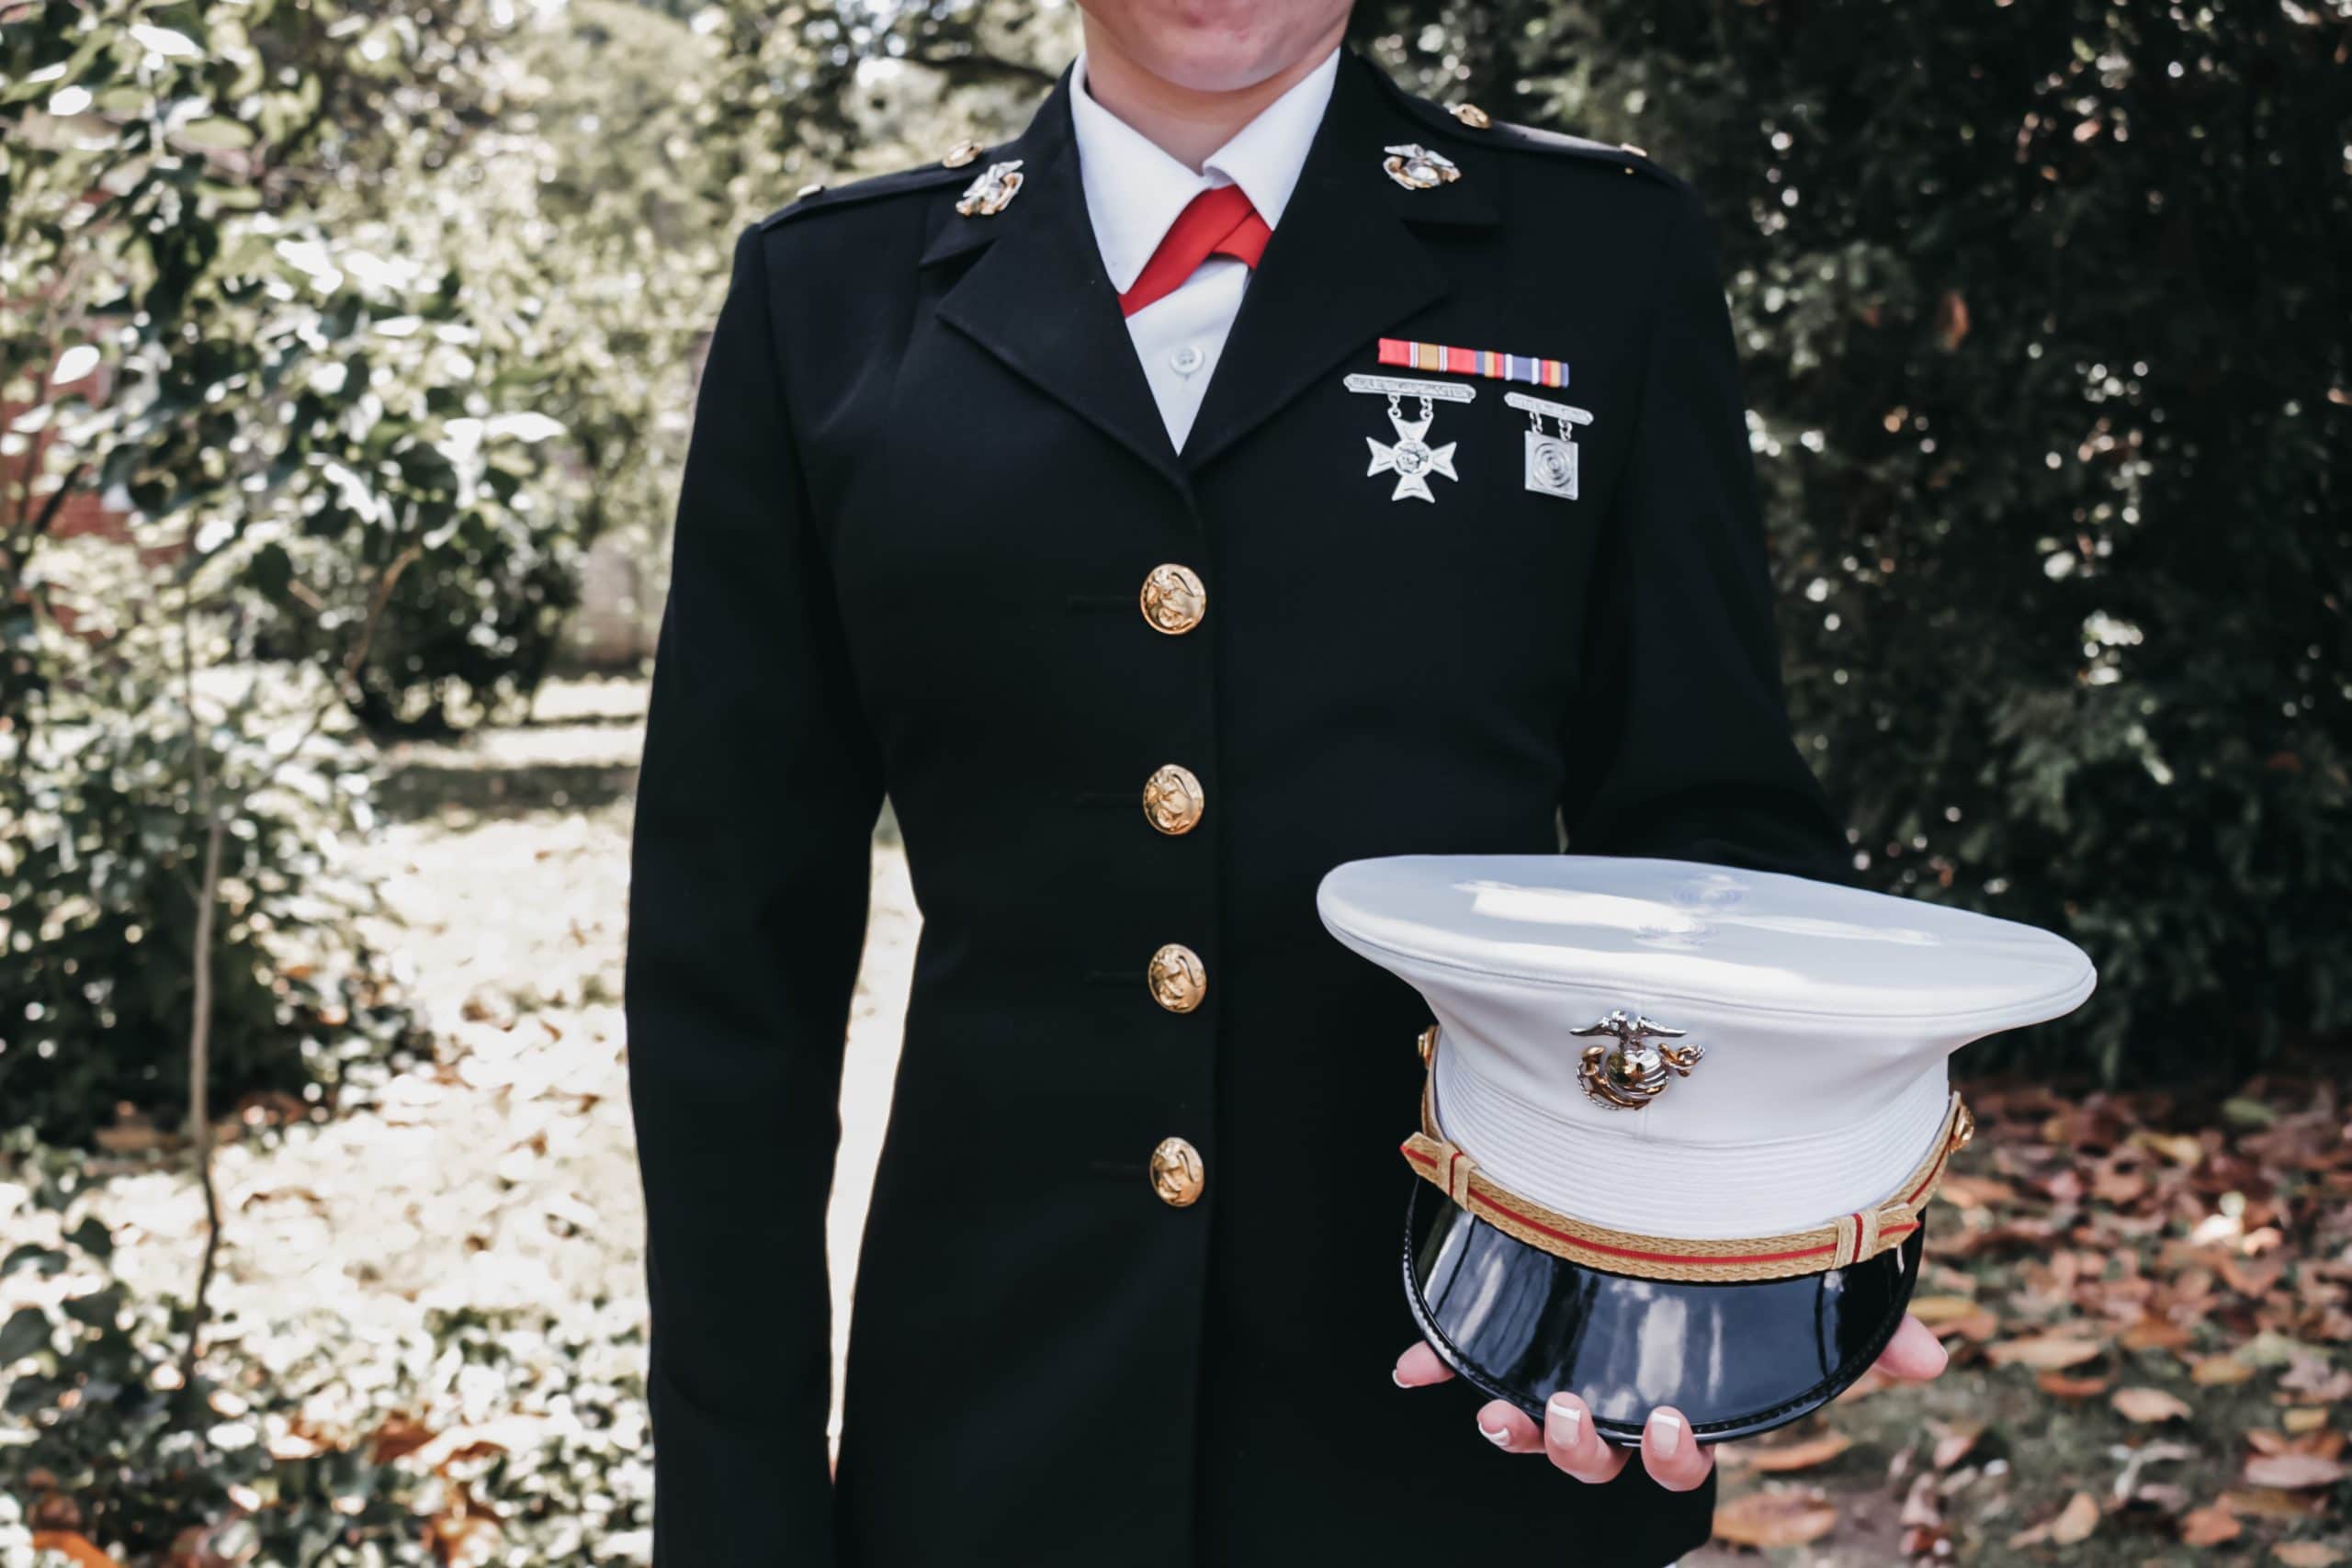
(1219, 223)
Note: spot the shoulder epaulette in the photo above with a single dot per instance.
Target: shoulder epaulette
(1473, 127)
(951, 170)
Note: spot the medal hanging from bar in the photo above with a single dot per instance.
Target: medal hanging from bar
(1486, 362)
(1551, 459)
(1410, 456)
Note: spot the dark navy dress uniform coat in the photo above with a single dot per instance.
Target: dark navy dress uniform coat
(927, 485)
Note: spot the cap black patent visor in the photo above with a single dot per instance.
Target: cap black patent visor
(1736, 1360)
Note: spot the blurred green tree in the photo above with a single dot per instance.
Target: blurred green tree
(329, 336)
(183, 338)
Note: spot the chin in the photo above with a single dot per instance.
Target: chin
(1217, 46)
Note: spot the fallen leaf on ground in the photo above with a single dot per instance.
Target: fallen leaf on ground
(2315, 1379)
(2210, 1526)
(1955, 1444)
(2307, 1555)
(1923, 1506)
(2155, 1334)
(77, 1548)
(2269, 1503)
(397, 1436)
(1782, 1516)
(505, 1434)
(1974, 1192)
(2215, 1372)
(1786, 1456)
(2045, 1352)
(1937, 1311)
(2058, 1385)
(2177, 1147)
(2071, 1525)
(2293, 1471)
(2148, 1405)
(2075, 1520)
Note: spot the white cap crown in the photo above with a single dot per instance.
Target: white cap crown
(1822, 1017)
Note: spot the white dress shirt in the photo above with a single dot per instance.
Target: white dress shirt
(1133, 191)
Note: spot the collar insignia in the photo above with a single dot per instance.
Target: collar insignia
(1414, 167)
(992, 192)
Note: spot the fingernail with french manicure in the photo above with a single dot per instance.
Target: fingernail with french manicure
(1498, 1436)
(1667, 1432)
(1565, 1420)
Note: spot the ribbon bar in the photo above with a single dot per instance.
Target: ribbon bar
(1486, 362)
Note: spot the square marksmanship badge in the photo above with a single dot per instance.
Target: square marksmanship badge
(1551, 468)
(1551, 465)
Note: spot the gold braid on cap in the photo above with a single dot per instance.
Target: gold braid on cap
(1842, 1242)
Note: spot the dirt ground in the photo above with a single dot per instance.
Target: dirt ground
(502, 1176)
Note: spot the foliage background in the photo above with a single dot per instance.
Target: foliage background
(370, 324)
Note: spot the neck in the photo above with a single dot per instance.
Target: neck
(1187, 123)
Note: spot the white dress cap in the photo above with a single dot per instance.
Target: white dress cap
(1823, 1016)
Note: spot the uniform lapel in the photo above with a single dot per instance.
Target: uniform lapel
(1038, 299)
(1345, 264)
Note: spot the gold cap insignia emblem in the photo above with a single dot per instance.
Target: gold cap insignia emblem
(963, 152)
(1414, 167)
(1473, 116)
(992, 192)
(1638, 1069)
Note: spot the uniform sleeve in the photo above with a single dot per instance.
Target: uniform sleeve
(755, 809)
(1678, 744)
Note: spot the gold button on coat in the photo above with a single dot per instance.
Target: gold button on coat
(1176, 1174)
(963, 152)
(1172, 799)
(1174, 599)
(1177, 980)
(1473, 116)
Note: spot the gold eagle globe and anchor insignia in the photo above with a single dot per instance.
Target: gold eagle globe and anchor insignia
(1637, 1070)
(992, 192)
(1414, 167)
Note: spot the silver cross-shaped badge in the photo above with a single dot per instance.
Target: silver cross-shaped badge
(1412, 459)
(1410, 456)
